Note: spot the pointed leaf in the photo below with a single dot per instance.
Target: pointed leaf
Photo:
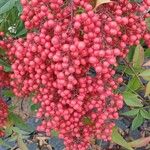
(132, 112)
(137, 121)
(145, 114)
(118, 139)
(132, 99)
(6, 5)
(17, 121)
(133, 84)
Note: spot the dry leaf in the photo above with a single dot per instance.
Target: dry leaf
(147, 64)
(147, 92)
(140, 142)
(100, 2)
(21, 144)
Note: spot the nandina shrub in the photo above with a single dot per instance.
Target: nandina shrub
(3, 116)
(65, 40)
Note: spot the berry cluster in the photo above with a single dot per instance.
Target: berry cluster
(3, 116)
(67, 62)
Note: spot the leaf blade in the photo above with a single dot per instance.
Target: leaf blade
(132, 112)
(117, 138)
(137, 121)
(132, 99)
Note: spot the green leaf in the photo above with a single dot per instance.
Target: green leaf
(148, 22)
(133, 84)
(6, 5)
(145, 114)
(145, 74)
(18, 122)
(138, 58)
(19, 131)
(147, 92)
(137, 70)
(137, 121)
(131, 53)
(8, 93)
(132, 112)
(118, 139)
(35, 107)
(7, 67)
(21, 33)
(19, 7)
(87, 121)
(8, 131)
(132, 99)
(54, 133)
(147, 52)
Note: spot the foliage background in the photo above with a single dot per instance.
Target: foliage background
(132, 130)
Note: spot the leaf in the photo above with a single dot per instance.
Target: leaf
(138, 58)
(100, 2)
(133, 84)
(8, 93)
(21, 144)
(87, 121)
(132, 112)
(131, 53)
(118, 139)
(19, 131)
(147, 92)
(132, 99)
(142, 142)
(19, 6)
(137, 121)
(147, 52)
(137, 70)
(21, 33)
(148, 22)
(145, 114)
(8, 131)
(145, 74)
(7, 67)
(17, 121)
(54, 133)
(35, 107)
(6, 5)
(147, 64)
